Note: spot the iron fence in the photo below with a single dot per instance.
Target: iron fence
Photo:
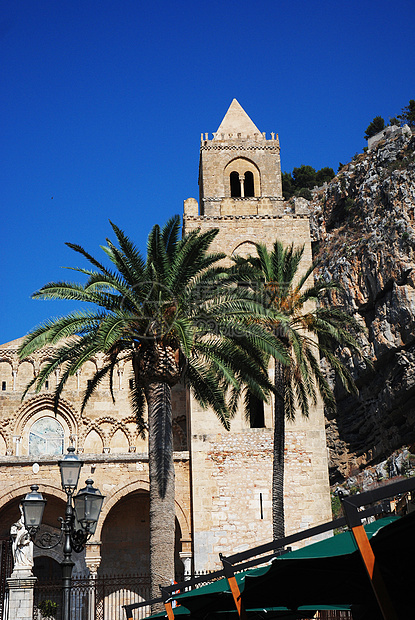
(333, 615)
(5, 571)
(99, 598)
(102, 598)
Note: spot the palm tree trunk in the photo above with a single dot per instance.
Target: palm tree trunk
(161, 470)
(278, 462)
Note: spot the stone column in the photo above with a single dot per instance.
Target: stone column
(186, 558)
(20, 586)
(242, 182)
(92, 560)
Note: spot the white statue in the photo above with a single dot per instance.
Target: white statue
(22, 546)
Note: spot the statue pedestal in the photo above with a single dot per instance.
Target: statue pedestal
(21, 585)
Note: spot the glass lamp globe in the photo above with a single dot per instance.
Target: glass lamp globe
(70, 469)
(33, 506)
(88, 504)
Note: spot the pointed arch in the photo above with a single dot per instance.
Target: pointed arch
(94, 441)
(119, 441)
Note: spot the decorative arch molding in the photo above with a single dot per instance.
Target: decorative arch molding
(7, 359)
(130, 420)
(106, 436)
(240, 166)
(250, 245)
(236, 162)
(40, 403)
(18, 490)
(4, 438)
(120, 426)
(122, 491)
(84, 368)
(117, 494)
(91, 426)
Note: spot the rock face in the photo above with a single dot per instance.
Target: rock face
(363, 226)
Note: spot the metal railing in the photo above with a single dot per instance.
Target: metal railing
(99, 598)
(5, 571)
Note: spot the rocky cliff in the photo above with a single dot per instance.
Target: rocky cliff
(363, 226)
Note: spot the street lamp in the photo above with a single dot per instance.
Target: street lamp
(78, 525)
(33, 506)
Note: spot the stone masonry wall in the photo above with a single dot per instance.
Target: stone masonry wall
(232, 472)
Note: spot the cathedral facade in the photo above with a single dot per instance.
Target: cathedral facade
(223, 479)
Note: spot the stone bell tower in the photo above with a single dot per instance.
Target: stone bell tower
(240, 193)
(240, 170)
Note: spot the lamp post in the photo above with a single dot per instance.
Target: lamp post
(80, 521)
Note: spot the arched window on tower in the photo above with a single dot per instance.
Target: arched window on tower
(235, 185)
(249, 184)
(46, 437)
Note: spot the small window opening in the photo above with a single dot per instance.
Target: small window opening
(46, 385)
(235, 185)
(261, 508)
(249, 184)
(3, 386)
(256, 412)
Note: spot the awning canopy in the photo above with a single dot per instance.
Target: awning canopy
(326, 575)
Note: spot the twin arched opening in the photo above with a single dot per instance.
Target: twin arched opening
(242, 179)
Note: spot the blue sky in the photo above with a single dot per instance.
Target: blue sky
(103, 103)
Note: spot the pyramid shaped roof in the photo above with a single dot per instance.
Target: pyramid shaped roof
(236, 121)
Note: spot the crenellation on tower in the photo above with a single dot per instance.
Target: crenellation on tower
(240, 169)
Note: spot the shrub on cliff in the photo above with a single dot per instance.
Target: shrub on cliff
(375, 126)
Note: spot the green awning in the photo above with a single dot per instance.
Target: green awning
(326, 575)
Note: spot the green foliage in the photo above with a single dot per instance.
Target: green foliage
(304, 179)
(308, 331)
(348, 203)
(324, 175)
(336, 506)
(408, 114)
(305, 193)
(48, 609)
(171, 315)
(304, 176)
(288, 188)
(375, 126)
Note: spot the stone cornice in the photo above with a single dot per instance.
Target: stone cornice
(13, 461)
(278, 216)
(259, 146)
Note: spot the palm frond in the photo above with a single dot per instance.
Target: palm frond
(170, 236)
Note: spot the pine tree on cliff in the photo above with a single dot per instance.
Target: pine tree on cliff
(307, 331)
(375, 126)
(173, 321)
(408, 114)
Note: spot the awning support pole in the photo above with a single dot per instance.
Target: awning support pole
(378, 585)
(233, 584)
(167, 603)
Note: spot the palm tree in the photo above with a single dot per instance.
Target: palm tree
(171, 317)
(307, 330)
